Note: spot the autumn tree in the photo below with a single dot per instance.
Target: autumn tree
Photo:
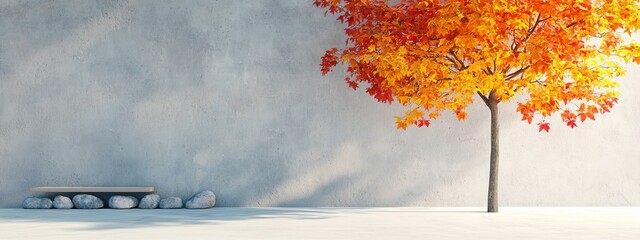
(434, 56)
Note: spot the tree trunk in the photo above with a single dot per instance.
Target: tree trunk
(492, 203)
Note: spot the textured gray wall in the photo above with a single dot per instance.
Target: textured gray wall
(227, 95)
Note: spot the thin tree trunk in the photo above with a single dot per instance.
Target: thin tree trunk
(492, 203)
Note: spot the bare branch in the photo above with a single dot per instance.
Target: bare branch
(533, 29)
(453, 54)
(484, 98)
(516, 73)
(571, 24)
(543, 83)
(454, 63)
(495, 68)
(488, 71)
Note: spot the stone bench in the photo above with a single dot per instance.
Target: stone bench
(93, 189)
(84, 200)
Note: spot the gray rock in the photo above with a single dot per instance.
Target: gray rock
(204, 199)
(36, 203)
(62, 202)
(150, 201)
(123, 202)
(171, 202)
(86, 201)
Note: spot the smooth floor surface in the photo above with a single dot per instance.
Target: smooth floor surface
(324, 223)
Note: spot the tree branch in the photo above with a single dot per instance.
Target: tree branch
(532, 29)
(452, 53)
(516, 73)
(571, 24)
(488, 71)
(484, 98)
(543, 83)
(455, 64)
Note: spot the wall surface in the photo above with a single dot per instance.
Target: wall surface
(227, 95)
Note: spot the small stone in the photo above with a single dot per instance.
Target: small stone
(123, 202)
(37, 203)
(204, 199)
(86, 201)
(150, 201)
(62, 202)
(171, 202)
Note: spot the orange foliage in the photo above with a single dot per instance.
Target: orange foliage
(435, 55)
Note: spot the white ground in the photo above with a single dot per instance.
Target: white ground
(323, 223)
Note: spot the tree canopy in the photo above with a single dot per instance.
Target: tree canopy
(435, 55)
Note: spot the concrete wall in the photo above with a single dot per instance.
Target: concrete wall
(227, 95)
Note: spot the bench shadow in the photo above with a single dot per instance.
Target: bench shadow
(108, 219)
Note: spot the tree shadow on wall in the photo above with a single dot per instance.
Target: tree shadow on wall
(197, 105)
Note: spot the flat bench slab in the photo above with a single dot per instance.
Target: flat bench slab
(93, 189)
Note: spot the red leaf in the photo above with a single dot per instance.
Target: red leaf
(582, 117)
(543, 126)
(423, 123)
(571, 124)
(567, 85)
(329, 60)
(568, 116)
(384, 96)
(352, 84)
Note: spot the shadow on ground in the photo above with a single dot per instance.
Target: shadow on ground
(107, 219)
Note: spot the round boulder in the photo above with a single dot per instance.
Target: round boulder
(62, 202)
(37, 203)
(86, 201)
(204, 199)
(170, 203)
(123, 202)
(150, 201)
